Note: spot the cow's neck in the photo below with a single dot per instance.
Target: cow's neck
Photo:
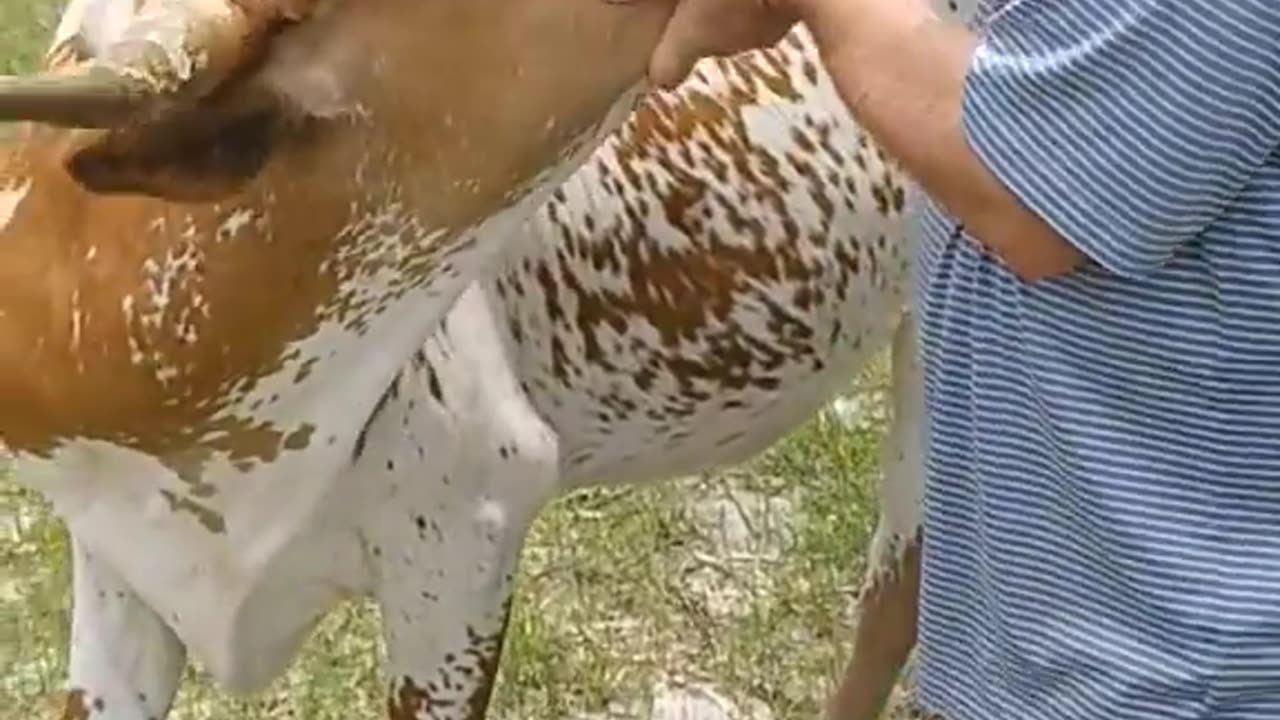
(188, 331)
(185, 330)
(193, 378)
(158, 326)
(219, 361)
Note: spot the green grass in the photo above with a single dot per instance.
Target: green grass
(26, 26)
(619, 589)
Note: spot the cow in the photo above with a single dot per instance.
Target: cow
(704, 283)
(220, 239)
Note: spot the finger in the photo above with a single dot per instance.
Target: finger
(670, 66)
(683, 43)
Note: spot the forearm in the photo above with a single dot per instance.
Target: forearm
(901, 71)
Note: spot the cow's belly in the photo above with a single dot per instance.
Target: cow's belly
(241, 595)
(638, 419)
(728, 429)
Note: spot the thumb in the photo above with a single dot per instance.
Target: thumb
(683, 43)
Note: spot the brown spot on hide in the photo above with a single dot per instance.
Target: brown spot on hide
(76, 706)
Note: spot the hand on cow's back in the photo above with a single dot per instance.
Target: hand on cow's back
(900, 70)
(701, 28)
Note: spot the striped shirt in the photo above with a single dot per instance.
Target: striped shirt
(1103, 449)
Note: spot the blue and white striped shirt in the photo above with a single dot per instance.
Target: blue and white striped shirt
(1103, 493)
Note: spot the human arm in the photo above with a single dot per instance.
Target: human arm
(1028, 138)
(901, 71)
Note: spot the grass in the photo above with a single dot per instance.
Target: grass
(26, 26)
(620, 590)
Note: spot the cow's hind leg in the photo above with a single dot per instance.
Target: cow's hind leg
(125, 661)
(886, 630)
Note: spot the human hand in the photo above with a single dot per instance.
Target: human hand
(703, 28)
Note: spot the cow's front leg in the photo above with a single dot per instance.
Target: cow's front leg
(445, 593)
(886, 631)
(464, 476)
(125, 661)
(466, 464)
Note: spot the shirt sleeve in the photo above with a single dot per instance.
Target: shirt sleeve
(1127, 125)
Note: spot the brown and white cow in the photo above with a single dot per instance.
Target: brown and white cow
(201, 304)
(717, 270)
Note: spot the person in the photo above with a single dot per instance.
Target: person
(1098, 285)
